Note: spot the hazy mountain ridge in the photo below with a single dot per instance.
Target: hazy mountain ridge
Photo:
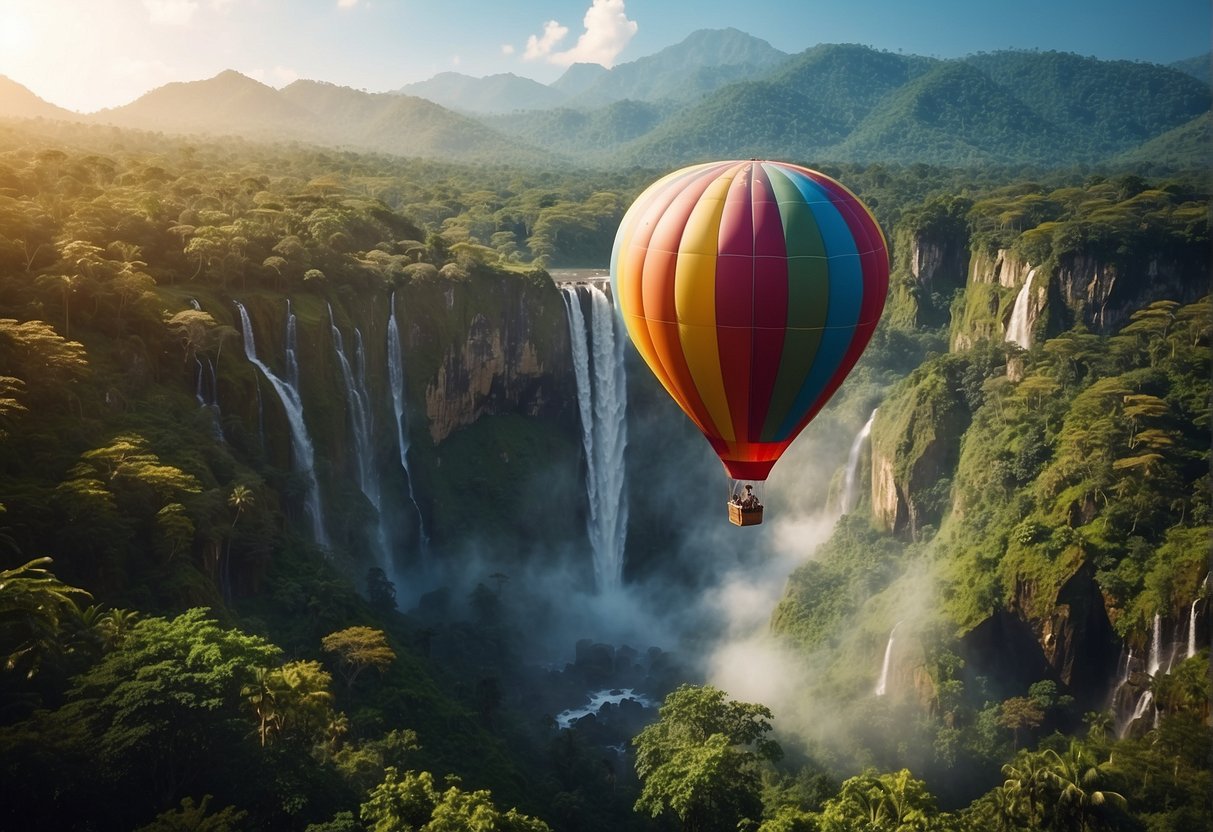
(17, 101)
(501, 93)
(718, 94)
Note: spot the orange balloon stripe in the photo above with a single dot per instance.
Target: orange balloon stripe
(631, 250)
(658, 309)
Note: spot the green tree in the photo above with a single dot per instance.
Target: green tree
(701, 759)
(193, 817)
(356, 649)
(34, 606)
(410, 802)
(893, 802)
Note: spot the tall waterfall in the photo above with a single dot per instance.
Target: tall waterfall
(1019, 329)
(602, 404)
(1155, 660)
(206, 392)
(882, 685)
(1192, 629)
(304, 457)
(292, 356)
(850, 479)
(358, 403)
(395, 371)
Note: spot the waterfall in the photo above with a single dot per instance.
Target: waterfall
(1019, 329)
(395, 370)
(851, 479)
(882, 685)
(208, 399)
(292, 358)
(597, 352)
(358, 405)
(1155, 659)
(1142, 704)
(1192, 629)
(301, 444)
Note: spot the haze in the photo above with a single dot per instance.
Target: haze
(105, 53)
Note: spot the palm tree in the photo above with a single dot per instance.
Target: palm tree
(1076, 774)
(34, 605)
(240, 499)
(1028, 784)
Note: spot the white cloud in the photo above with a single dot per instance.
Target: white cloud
(541, 47)
(171, 12)
(456, 60)
(607, 32)
(285, 75)
(507, 49)
(346, 4)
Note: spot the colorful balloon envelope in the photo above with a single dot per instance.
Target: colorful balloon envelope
(750, 288)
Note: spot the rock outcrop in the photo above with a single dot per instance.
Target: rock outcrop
(915, 449)
(491, 345)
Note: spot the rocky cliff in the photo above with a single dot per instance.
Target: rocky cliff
(915, 447)
(1079, 287)
(490, 345)
(475, 345)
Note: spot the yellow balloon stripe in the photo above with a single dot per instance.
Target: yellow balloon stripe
(695, 302)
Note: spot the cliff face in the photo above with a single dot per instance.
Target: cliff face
(1078, 287)
(505, 350)
(474, 346)
(1103, 295)
(930, 266)
(915, 449)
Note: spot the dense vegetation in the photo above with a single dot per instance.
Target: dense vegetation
(222, 672)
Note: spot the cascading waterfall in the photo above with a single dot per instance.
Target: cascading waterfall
(359, 407)
(304, 457)
(1155, 660)
(850, 479)
(395, 371)
(602, 404)
(1143, 703)
(206, 392)
(883, 683)
(292, 356)
(1019, 329)
(1192, 629)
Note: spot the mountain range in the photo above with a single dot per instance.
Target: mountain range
(718, 94)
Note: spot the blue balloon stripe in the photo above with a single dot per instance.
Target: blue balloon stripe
(845, 301)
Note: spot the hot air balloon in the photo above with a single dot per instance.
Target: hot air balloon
(750, 288)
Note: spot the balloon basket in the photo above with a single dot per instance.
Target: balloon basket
(739, 516)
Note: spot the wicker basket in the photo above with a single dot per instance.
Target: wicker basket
(739, 516)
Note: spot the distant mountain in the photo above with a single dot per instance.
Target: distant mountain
(588, 134)
(578, 78)
(953, 115)
(1199, 67)
(1104, 106)
(503, 93)
(704, 62)
(17, 101)
(1190, 145)
(314, 111)
(227, 103)
(853, 103)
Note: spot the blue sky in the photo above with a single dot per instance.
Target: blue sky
(88, 54)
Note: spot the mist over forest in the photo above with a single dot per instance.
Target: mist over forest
(334, 496)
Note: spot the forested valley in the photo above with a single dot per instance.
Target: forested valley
(1006, 624)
